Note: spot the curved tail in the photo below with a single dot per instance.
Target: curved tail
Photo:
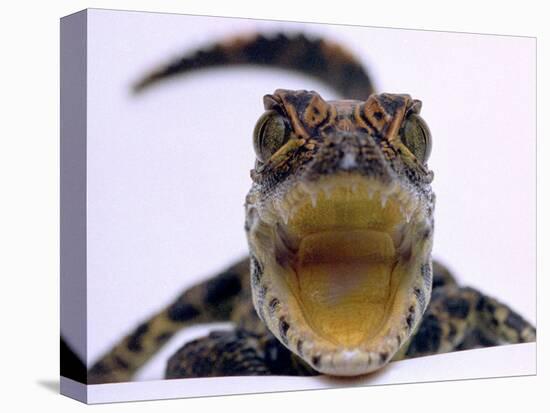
(324, 60)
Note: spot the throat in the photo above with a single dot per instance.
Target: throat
(344, 283)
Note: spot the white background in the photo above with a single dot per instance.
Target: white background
(168, 170)
(29, 170)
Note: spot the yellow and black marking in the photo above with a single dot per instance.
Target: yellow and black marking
(361, 165)
(461, 318)
(214, 300)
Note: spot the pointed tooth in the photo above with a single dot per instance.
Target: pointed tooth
(314, 199)
(393, 188)
(311, 192)
(383, 199)
(285, 214)
(285, 218)
(402, 210)
(304, 190)
(370, 192)
(327, 191)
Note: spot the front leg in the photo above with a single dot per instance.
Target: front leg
(461, 318)
(235, 353)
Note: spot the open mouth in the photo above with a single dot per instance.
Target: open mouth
(342, 254)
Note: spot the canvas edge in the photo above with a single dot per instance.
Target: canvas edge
(73, 124)
(516, 360)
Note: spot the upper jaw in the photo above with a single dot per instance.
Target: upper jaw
(300, 229)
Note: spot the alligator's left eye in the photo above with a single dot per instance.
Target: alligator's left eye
(271, 132)
(417, 137)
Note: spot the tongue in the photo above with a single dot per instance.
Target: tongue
(344, 283)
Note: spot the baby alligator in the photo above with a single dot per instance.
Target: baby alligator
(339, 221)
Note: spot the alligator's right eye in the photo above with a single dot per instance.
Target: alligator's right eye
(271, 132)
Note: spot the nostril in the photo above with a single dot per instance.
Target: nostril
(348, 161)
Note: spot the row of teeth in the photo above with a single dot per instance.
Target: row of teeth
(348, 362)
(294, 199)
(356, 358)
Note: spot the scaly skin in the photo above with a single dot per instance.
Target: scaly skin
(336, 158)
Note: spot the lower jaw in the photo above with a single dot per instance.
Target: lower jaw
(360, 327)
(344, 283)
(353, 337)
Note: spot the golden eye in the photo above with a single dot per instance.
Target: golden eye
(270, 134)
(417, 137)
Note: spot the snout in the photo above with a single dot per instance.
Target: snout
(354, 152)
